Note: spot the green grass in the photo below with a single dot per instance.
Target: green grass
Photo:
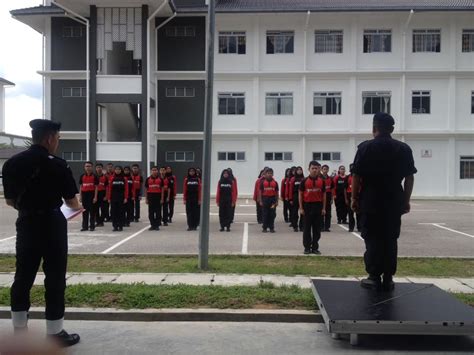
(284, 265)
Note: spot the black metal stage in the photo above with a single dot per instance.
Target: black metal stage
(410, 308)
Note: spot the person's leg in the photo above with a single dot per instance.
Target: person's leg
(350, 213)
(165, 213)
(188, 213)
(337, 201)
(171, 210)
(272, 214)
(390, 245)
(93, 215)
(294, 215)
(87, 204)
(317, 218)
(327, 217)
(137, 209)
(114, 214)
(151, 211)
(265, 213)
(373, 256)
(307, 227)
(259, 213)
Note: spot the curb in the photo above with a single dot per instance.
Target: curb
(180, 315)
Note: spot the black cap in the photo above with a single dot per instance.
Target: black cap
(383, 119)
(47, 125)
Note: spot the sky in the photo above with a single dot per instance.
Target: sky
(20, 59)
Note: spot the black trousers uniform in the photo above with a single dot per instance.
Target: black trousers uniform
(286, 210)
(88, 216)
(154, 209)
(193, 211)
(326, 220)
(117, 211)
(170, 208)
(102, 207)
(259, 213)
(225, 213)
(136, 206)
(269, 213)
(341, 207)
(296, 219)
(128, 211)
(165, 212)
(40, 236)
(312, 225)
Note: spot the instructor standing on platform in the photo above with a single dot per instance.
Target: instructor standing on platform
(380, 166)
(35, 182)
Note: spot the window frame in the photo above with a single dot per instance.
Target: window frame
(82, 92)
(423, 42)
(73, 32)
(230, 96)
(185, 91)
(470, 169)
(82, 155)
(330, 41)
(420, 94)
(238, 36)
(184, 160)
(377, 36)
(281, 35)
(328, 95)
(174, 31)
(227, 153)
(375, 94)
(274, 154)
(469, 46)
(472, 102)
(279, 96)
(331, 156)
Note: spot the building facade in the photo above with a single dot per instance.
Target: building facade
(294, 81)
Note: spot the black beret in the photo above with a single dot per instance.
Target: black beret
(383, 119)
(40, 124)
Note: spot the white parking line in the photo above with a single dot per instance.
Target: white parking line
(354, 233)
(4, 240)
(439, 225)
(463, 204)
(245, 239)
(125, 240)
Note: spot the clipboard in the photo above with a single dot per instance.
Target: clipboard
(70, 213)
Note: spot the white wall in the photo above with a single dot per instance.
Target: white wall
(2, 109)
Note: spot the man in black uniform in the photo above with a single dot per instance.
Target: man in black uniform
(380, 165)
(35, 182)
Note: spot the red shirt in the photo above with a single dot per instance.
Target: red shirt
(88, 182)
(103, 183)
(284, 188)
(269, 188)
(137, 181)
(313, 189)
(156, 185)
(256, 188)
(349, 184)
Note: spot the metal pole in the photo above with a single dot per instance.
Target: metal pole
(206, 172)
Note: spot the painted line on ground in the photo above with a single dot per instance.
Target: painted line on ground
(125, 240)
(463, 204)
(424, 210)
(245, 239)
(4, 240)
(440, 225)
(353, 233)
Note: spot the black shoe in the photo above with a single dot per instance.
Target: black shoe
(151, 228)
(136, 220)
(64, 339)
(272, 230)
(339, 221)
(120, 229)
(264, 230)
(157, 228)
(307, 251)
(387, 283)
(351, 230)
(189, 229)
(127, 225)
(372, 282)
(84, 229)
(295, 229)
(327, 230)
(222, 229)
(301, 229)
(315, 251)
(99, 224)
(92, 229)
(115, 229)
(228, 229)
(170, 221)
(345, 222)
(165, 224)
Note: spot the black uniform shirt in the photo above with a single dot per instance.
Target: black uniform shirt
(383, 163)
(37, 180)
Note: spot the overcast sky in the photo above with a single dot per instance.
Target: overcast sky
(20, 58)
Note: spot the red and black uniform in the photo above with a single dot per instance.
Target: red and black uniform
(293, 197)
(285, 182)
(88, 185)
(226, 198)
(108, 214)
(234, 179)
(155, 188)
(173, 188)
(130, 201)
(313, 190)
(269, 194)
(118, 193)
(329, 185)
(353, 221)
(192, 198)
(137, 188)
(340, 183)
(102, 196)
(256, 198)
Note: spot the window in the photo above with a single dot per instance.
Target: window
(420, 102)
(472, 102)
(427, 41)
(180, 92)
(280, 42)
(327, 156)
(74, 92)
(328, 41)
(327, 103)
(72, 31)
(74, 156)
(232, 156)
(180, 157)
(279, 103)
(232, 42)
(231, 103)
(279, 156)
(467, 167)
(181, 31)
(377, 41)
(373, 102)
(468, 41)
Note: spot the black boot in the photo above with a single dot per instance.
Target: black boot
(64, 339)
(388, 284)
(371, 282)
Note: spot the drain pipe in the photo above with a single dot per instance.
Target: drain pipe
(405, 38)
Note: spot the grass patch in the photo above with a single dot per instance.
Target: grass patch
(467, 298)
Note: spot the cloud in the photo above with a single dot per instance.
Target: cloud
(21, 110)
(31, 88)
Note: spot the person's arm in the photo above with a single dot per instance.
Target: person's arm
(300, 198)
(10, 202)
(260, 193)
(290, 190)
(234, 194)
(218, 194)
(276, 190)
(199, 191)
(96, 189)
(323, 212)
(185, 190)
(73, 203)
(355, 193)
(126, 193)
(407, 190)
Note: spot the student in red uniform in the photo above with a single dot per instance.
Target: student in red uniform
(192, 198)
(340, 198)
(131, 197)
(137, 179)
(165, 196)
(256, 196)
(329, 185)
(293, 196)
(173, 189)
(352, 220)
(102, 203)
(118, 198)
(283, 195)
(312, 207)
(269, 200)
(110, 174)
(226, 198)
(88, 186)
(234, 179)
(155, 186)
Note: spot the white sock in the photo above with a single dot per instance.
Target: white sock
(54, 326)
(20, 319)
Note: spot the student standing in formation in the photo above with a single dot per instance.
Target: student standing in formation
(352, 221)
(155, 187)
(340, 198)
(102, 188)
(88, 185)
(199, 173)
(226, 198)
(234, 180)
(293, 196)
(110, 175)
(312, 207)
(256, 196)
(173, 189)
(165, 197)
(329, 186)
(137, 179)
(269, 200)
(131, 197)
(118, 198)
(192, 198)
(283, 195)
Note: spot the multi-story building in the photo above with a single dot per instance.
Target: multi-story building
(294, 81)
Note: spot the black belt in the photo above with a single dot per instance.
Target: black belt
(39, 212)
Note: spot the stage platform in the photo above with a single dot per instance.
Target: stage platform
(413, 309)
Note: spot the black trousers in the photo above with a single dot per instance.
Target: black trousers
(312, 224)
(102, 207)
(41, 237)
(193, 211)
(233, 214)
(326, 220)
(107, 210)
(154, 209)
(259, 213)
(170, 209)
(341, 207)
(117, 212)
(269, 214)
(286, 210)
(225, 213)
(128, 211)
(295, 217)
(88, 216)
(136, 207)
(164, 211)
(380, 233)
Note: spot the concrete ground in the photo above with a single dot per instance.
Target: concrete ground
(99, 337)
(433, 228)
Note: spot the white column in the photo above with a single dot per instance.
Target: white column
(451, 167)
(256, 47)
(353, 102)
(354, 41)
(2, 109)
(403, 110)
(303, 150)
(451, 124)
(304, 124)
(453, 40)
(256, 104)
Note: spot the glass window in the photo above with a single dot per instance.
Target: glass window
(328, 41)
(221, 156)
(179, 156)
(232, 42)
(180, 92)
(231, 155)
(169, 156)
(326, 156)
(288, 156)
(374, 102)
(377, 41)
(468, 41)
(336, 156)
(268, 156)
(280, 42)
(317, 156)
(467, 167)
(279, 103)
(180, 31)
(67, 156)
(240, 156)
(77, 156)
(189, 156)
(327, 103)
(231, 103)
(472, 102)
(426, 41)
(67, 92)
(420, 102)
(76, 92)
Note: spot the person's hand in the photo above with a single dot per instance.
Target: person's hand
(162, 202)
(146, 201)
(347, 202)
(355, 206)
(80, 199)
(323, 212)
(139, 198)
(276, 205)
(291, 203)
(105, 199)
(301, 211)
(406, 208)
(109, 201)
(94, 200)
(233, 204)
(125, 200)
(199, 203)
(261, 204)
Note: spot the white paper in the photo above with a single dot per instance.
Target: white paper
(70, 213)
